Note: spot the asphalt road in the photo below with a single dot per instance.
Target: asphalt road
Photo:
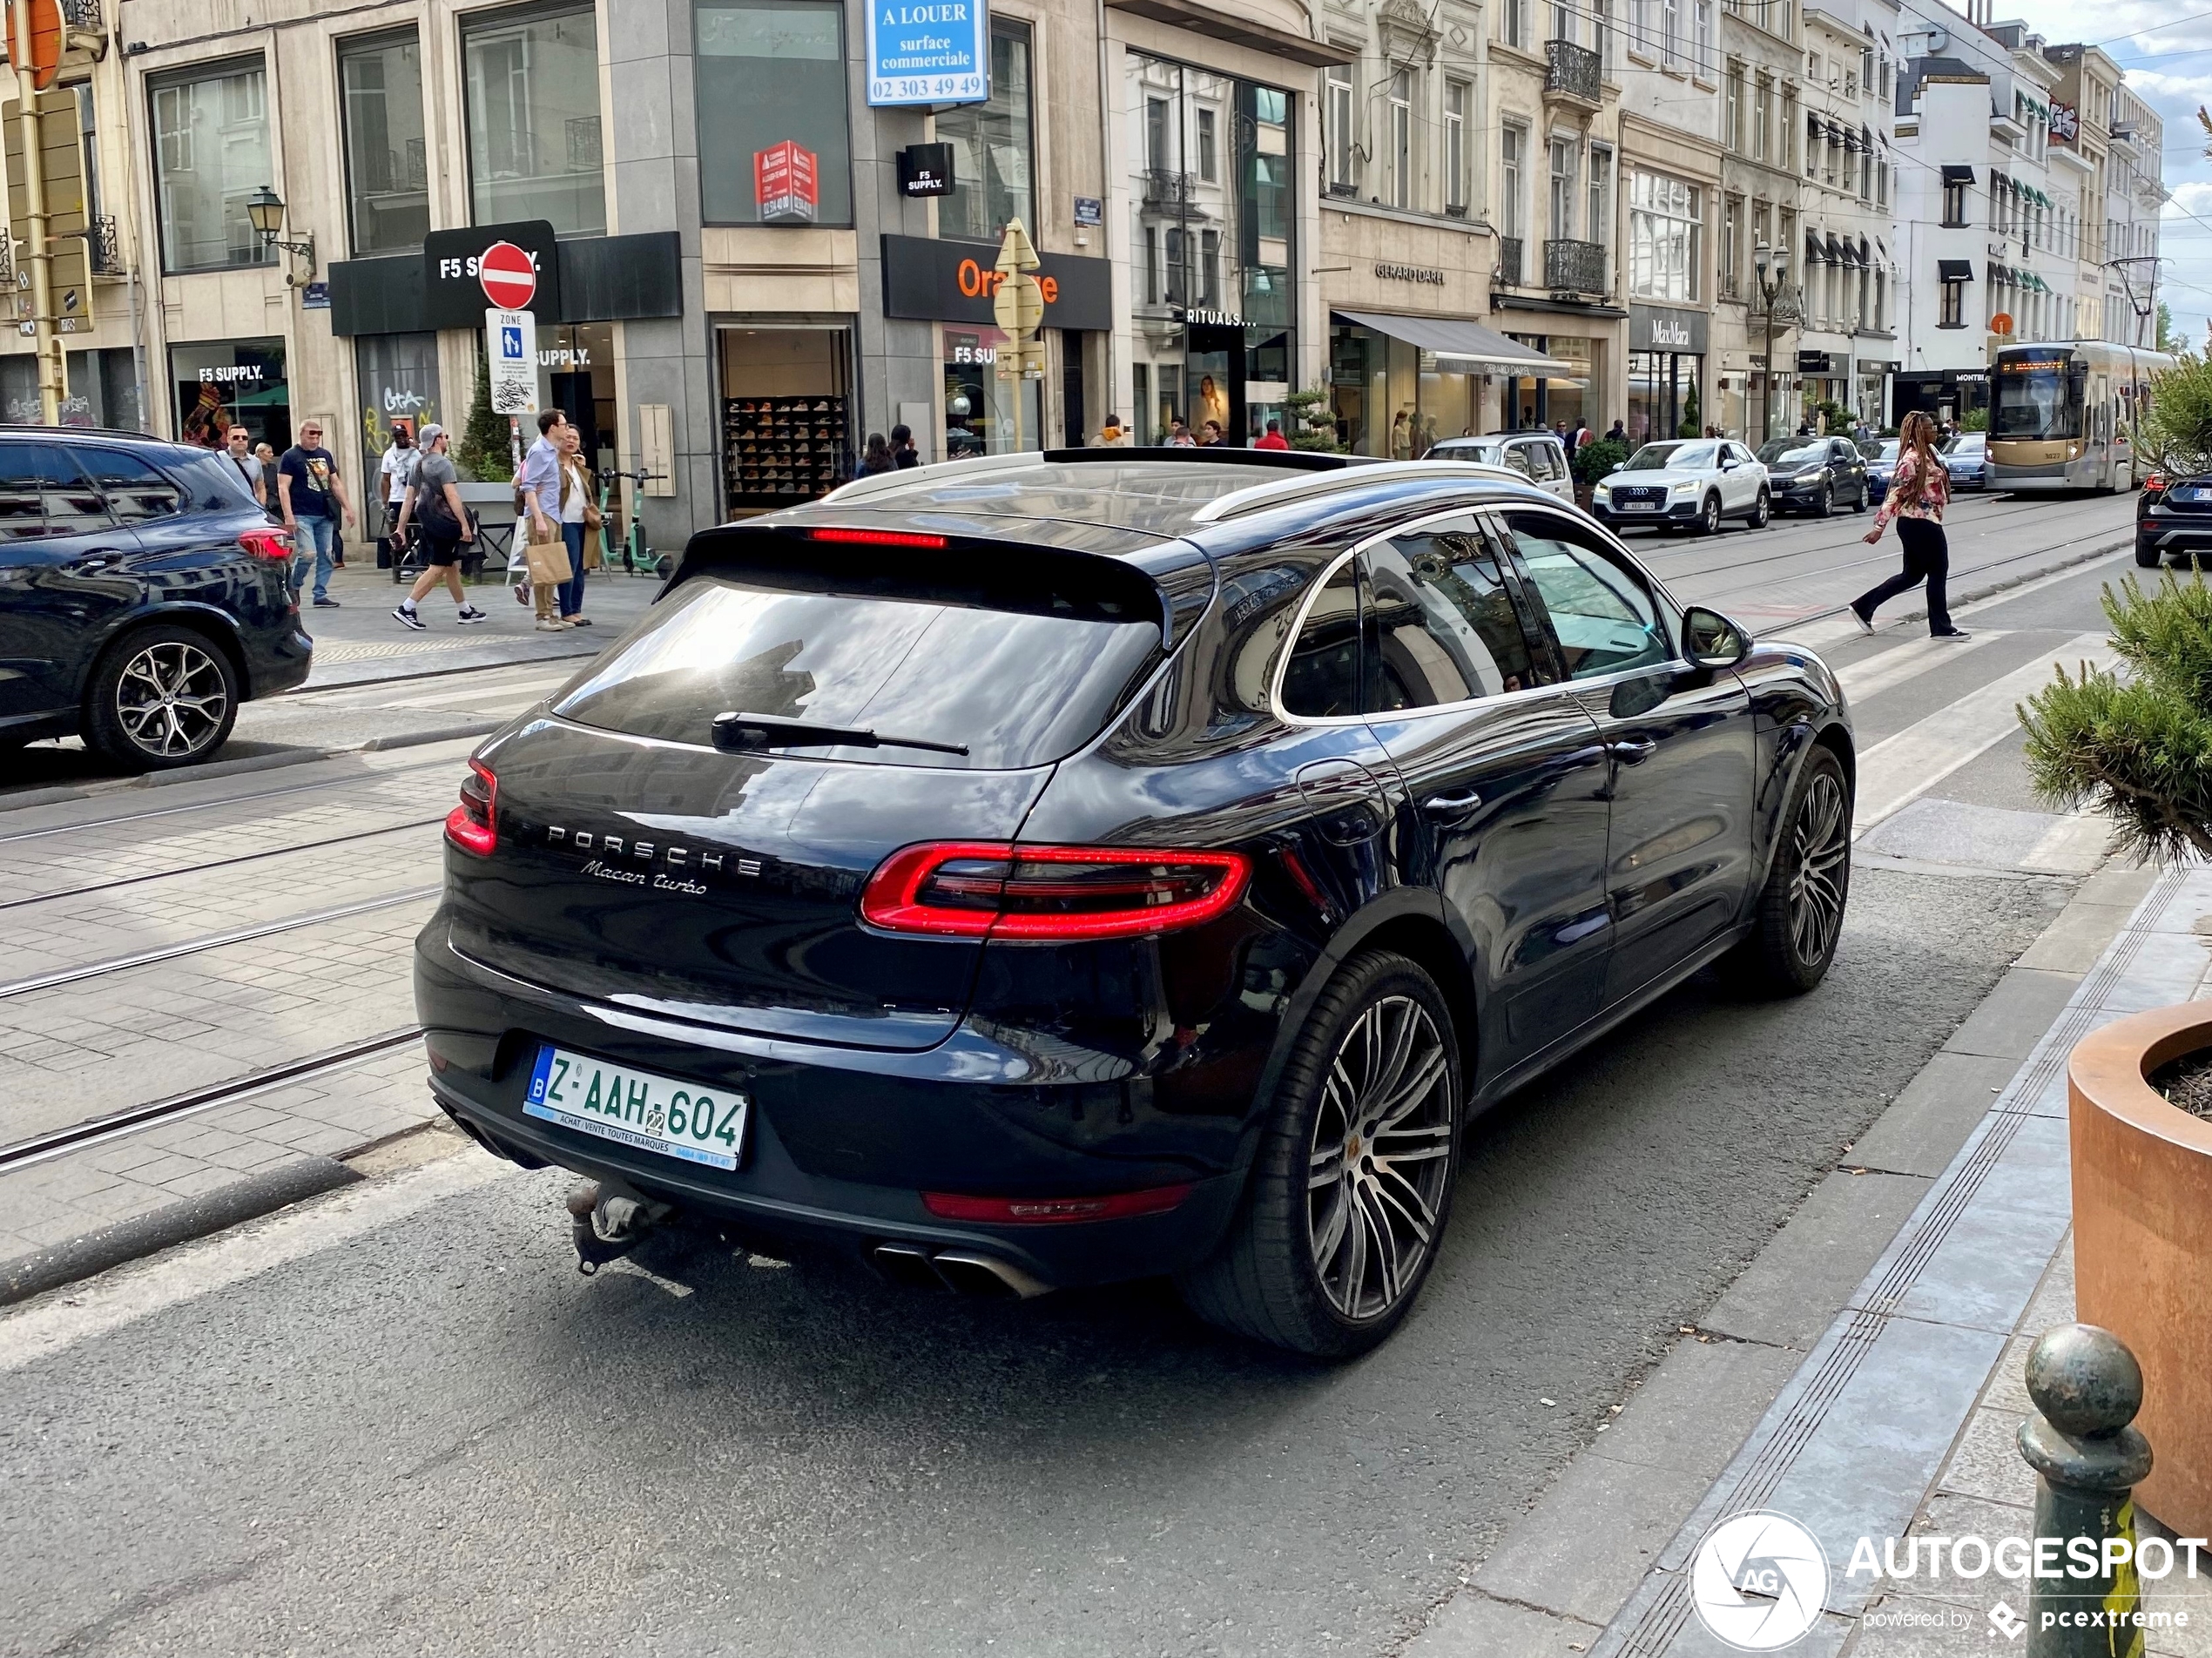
(431, 1435)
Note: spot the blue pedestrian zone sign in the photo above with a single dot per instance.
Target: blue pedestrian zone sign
(510, 344)
(929, 51)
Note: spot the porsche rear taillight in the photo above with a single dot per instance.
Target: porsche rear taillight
(993, 889)
(472, 824)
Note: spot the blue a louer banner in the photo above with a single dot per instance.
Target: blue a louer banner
(930, 52)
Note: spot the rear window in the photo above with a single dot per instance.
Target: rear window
(1021, 671)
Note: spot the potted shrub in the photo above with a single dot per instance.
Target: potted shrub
(1312, 422)
(2139, 750)
(1592, 461)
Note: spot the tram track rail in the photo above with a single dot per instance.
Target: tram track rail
(115, 1125)
(213, 941)
(94, 888)
(92, 825)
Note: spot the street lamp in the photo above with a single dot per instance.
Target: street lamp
(265, 212)
(1768, 262)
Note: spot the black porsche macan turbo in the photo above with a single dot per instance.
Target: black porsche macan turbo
(1051, 869)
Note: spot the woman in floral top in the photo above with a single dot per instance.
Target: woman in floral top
(1917, 496)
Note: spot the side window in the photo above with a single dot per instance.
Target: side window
(73, 506)
(23, 509)
(1548, 469)
(1843, 451)
(1517, 458)
(1438, 622)
(1321, 679)
(1602, 615)
(135, 491)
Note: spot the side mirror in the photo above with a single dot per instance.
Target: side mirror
(1710, 640)
(1729, 465)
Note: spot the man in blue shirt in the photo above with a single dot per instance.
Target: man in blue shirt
(539, 485)
(308, 484)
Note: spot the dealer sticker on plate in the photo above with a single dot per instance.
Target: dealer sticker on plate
(636, 1108)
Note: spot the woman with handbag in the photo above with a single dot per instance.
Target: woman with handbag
(1917, 497)
(579, 523)
(432, 500)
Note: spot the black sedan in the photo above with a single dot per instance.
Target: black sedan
(1051, 869)
(1816, 474)
(143, 596)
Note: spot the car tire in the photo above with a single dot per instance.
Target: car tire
(1300, 1268)
(2147, 557)
(161, 697)
(1762, 509)
(1825, 506)
(1863, 493)
(1798, 918)
(1708, 519)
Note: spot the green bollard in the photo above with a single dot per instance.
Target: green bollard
(2088, 1459)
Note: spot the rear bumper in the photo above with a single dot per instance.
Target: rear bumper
(2168, 532)
(946, 1119)
(277, 659)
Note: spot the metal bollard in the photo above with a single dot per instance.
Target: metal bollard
(2088, 1388)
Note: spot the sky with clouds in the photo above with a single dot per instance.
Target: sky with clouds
(2166, 46)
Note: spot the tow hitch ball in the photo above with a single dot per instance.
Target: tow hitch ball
(606, 1225)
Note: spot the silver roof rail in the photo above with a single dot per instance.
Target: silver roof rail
(882, 485)
(1308, 486)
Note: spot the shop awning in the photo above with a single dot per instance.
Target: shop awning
(1461, 347)
(1814, 255)
(1835, 250)
(1955, 174)
(1954, 270)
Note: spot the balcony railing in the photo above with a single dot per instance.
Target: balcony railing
(1572, 71)
(1166, 187)
(82, 14)
(1575, 267)
(1509, 261)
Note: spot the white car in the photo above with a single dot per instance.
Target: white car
(1689, 483)
(1537, 456)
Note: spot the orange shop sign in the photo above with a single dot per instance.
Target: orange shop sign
(931, 279)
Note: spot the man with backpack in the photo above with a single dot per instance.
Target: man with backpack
(432, 500)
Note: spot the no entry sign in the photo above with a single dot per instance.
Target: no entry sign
(508, 277)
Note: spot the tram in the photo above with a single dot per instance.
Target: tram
(2062, 415)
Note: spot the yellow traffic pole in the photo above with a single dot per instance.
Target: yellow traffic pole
(52, 384)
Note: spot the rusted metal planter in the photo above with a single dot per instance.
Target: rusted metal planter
(2143, 1241)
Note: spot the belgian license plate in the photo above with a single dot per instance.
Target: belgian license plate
(1638, 506)
(635, 1108)
(2188, 492)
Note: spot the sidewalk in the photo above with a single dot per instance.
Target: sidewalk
(1863, 1376)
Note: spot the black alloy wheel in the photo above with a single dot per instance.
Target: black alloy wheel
(1709, 521)
(161, 697)
(1798, 920)
(1352, 1186)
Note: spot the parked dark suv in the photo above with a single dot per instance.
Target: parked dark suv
(1049, 869)
(2173, 515)
(142, 597)
(1815, 474)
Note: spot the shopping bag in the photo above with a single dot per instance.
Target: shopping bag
(549, 563)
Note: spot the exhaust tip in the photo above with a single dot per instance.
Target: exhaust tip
(986, 1274)
(902, 1263)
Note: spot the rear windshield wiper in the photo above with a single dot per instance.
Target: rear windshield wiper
(750, 733)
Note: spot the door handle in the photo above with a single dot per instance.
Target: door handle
(1451, 805)
(1632, 751)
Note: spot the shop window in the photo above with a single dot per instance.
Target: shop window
(771, 93)
(533, 97)
(993, 153)
(785, 397)
(235, 382)
(211, 151)
(388, 179)
(398, 377)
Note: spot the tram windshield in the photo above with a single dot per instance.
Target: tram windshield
(2037, 396)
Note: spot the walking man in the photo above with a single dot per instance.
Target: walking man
(540, 485)
(240, 455)
(393, 472)
(432, 498)
(307, 485)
